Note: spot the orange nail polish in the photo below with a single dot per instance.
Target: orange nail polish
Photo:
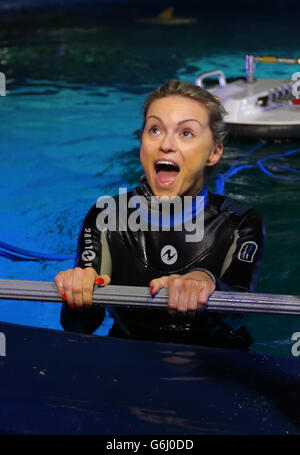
(99, 281)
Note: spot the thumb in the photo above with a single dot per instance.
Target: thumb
(102, 280)
(157, 283)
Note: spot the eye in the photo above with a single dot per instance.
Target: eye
(187, 133)
(154, 130)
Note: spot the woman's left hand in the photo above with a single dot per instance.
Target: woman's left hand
(188, 292)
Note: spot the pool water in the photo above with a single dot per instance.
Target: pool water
(69, 134)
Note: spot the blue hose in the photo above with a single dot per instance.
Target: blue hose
(261, 164)
(26, 255)
(266, 171)
(14, 257)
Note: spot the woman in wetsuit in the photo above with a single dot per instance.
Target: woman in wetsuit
(182, 135)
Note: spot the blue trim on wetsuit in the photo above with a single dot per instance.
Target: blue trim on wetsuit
(188, 213)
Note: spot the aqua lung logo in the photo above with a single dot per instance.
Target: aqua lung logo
(88, 255)
(247, 252)
(169, 254)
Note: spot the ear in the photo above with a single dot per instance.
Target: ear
(215, 155)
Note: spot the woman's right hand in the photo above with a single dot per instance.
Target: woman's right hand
(76, 286)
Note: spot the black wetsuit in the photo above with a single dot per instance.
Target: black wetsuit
(230, 251)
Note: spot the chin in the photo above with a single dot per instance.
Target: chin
(169, 192)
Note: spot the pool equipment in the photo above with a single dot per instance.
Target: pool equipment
(259, 107)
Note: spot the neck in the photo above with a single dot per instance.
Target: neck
(146, 189)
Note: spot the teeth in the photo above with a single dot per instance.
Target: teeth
(166, 162)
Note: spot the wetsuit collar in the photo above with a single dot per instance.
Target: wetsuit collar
(145, 190)
(152, 216)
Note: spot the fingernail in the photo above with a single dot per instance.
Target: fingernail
(99, 281)
(64, 297)
(151, 290)
(73, 306)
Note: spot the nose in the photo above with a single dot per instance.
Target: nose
(168, 144)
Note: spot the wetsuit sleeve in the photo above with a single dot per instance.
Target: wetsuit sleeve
(241, 265)
(92, 251)
(242, 262)
(92, 246)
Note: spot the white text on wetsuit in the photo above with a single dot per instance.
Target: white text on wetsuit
(88, 254)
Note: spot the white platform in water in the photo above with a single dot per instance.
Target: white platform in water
(242, 101)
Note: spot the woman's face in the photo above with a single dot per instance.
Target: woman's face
(177, 144)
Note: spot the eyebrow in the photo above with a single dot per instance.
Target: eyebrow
(179, 123)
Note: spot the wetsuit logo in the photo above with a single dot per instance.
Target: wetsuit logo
(88, 255)
(247, 252)
(169, 254)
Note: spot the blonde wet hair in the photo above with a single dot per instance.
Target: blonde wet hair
(213, 105)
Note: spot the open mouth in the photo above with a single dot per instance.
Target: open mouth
(166, 171)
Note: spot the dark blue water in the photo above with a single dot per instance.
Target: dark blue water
(69, 133)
